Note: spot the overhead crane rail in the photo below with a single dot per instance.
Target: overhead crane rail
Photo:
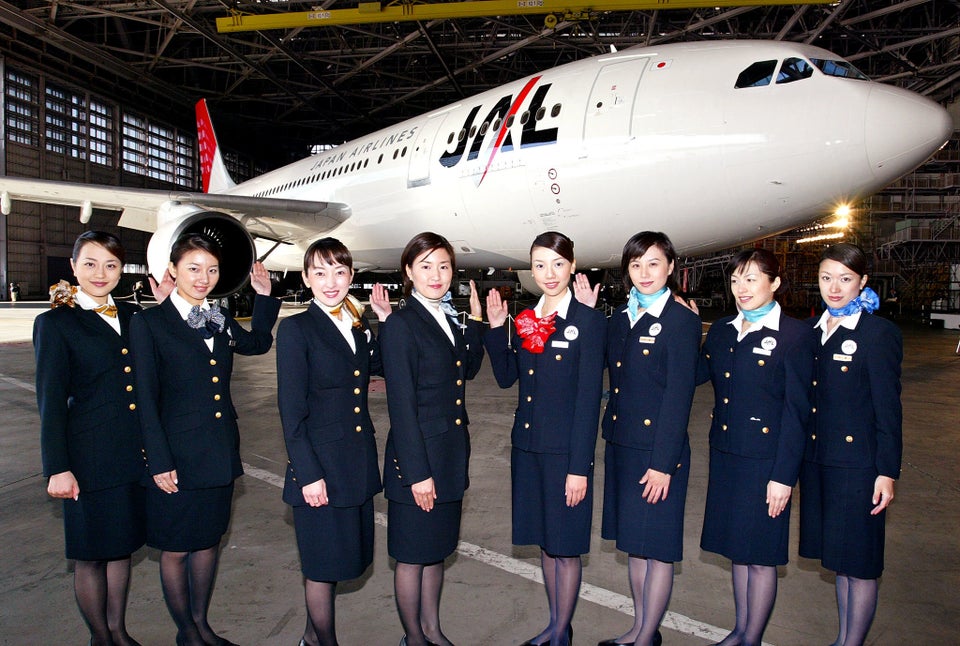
(374, 12)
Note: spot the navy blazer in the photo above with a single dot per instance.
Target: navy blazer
(653, 375)
(858, 417)
(322, 394)
(85, 392)
(426, 377)
(560, 389)
(763, 392)
(187, 416)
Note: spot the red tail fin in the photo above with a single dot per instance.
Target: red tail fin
(214, 174)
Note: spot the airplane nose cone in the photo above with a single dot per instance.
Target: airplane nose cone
(902, 130)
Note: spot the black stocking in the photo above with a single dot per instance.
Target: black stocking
(549, 568)
(321, 624)
(740, 573)
(651, 583)
(118, 586)
(407, 589)
(203, 572)
(568, 575)
(857, 607)
(90, 589)
(761, 595)
(431, 586)
(187, 579)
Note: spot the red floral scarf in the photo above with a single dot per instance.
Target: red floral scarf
(534, 331)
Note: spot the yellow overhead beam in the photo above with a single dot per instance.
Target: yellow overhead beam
(370, 12)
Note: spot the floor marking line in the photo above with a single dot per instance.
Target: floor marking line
(13, 381)
(588, 592)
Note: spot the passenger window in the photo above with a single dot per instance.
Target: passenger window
(540, 113)
(483, 128)
(525, 117)
(794, 69)
(757, 75)
(510, 121)
(496, 124)
(450, 139)
(555, 111)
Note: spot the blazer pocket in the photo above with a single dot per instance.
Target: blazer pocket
(183, 423)
(83, 419)
(325, 433)
(433, 427)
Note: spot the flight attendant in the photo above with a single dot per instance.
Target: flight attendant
(855, 442)
(427, 358)
(325, 356)
(183, 352)
(90, 439)
(558, 361)
(761, 365)
(653, 345)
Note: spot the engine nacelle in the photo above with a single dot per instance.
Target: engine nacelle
(237, 250)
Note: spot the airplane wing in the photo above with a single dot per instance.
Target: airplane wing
(275, 219)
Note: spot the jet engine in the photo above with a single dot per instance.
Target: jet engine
(237, 251)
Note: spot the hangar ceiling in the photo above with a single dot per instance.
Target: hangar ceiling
(302, 86)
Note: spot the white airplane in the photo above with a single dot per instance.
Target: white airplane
(715, 143)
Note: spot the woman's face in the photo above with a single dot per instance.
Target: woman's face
(649, 272)
(328, 282)
(97, 270)
(752, 288)
(195, 275)
(839, 284)
(431, 273)
(551, 271)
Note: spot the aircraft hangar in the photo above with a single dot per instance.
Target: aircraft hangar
(103, 92)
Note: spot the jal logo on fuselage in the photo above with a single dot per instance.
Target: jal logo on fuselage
(502, 112)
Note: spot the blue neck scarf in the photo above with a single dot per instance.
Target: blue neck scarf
(637, 300)
(755, 315)
(445, 303)
(867, 301)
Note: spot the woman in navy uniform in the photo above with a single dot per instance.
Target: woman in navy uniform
(560, 369)
(855, 442)
(761, 365)
(325, 356)
(89, 431)
(183, 352)
(427, 358)
(653, 344)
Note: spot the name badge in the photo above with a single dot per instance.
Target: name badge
(768, 343)
(842, 357)
(571, 332)
(655, 329)
(648, 339)
(849, 346)
(762, 351)
(231, 343)
(559, 344)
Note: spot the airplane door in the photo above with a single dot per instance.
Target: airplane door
(420, 157)
(610, 105)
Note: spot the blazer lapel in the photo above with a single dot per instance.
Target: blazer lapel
(328, 332)
(432, 324)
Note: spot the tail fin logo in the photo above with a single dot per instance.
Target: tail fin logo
(206, 142)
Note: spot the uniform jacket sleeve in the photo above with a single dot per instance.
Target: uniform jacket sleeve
(885, 357)
(52, 381)
(586, 417)
(797, 401)
(148, 399)
(503, 359)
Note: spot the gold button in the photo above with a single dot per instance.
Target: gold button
(218, 415)
(459, 363)
(356, 373)
(646, 352)
(530, 372)
(213, 362)
(459, 401)
(127, 368)
(459, 382)
(216, 380)
(708, 355)
(764, 430)
(133, 407)
(726, 400)
(726, 375)
(844, 368)
(813, 437)
(616, 390)
(849, 438)
(216, 397)
(558, 357)
(129, 388)
(359, 428)
(724, 427)
(647, 422)
(731, 349)
(124, 351)
(458, 422)
(526, 425)
(356, 409)
(614, 418)
(711, 415)
(619, 364)
(814, 409)
(356, 391)
(814, 382)
(761, 362)
(529, 398)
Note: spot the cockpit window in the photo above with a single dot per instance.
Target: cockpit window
(839, 68)
(757, 75)
(794, 69)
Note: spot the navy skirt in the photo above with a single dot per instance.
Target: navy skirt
(835, 522)
(736, 523)
(421, 537)
(105, 525)
(639, 528)
(335, 543)
(540, 513)
(189, 520)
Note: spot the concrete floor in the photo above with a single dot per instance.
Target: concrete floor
(491, 594)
